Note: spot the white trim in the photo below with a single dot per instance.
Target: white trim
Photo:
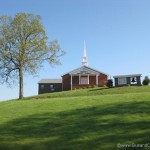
(62, 85)
(96, 79)
(79, 79)
(88, 79)
(71, 81)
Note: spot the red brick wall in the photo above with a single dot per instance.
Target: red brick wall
(66, 82)
(92, 80)
(102, 80)
(75, 80)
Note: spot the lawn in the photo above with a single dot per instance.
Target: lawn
(94, 91)
(88, 119)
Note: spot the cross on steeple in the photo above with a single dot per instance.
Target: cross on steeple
(84, 58)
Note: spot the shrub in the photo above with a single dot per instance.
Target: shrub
(110, 83)
(146, 81)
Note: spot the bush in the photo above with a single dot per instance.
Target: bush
(110, 83)
(146, 81)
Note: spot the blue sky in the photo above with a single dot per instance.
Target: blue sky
(117, 35)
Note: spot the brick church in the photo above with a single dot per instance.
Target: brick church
(82, 77)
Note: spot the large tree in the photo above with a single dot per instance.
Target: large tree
(24, 47)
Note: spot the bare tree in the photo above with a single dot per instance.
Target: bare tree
(24, 47)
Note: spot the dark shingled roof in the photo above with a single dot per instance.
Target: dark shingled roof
(50, 81)
(85, 70)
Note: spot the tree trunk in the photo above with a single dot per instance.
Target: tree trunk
(20, 83)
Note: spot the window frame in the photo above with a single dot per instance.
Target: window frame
(84, 80)
(42, 86)
(122, 81)
(51, 86)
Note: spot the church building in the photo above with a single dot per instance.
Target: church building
(82, 77)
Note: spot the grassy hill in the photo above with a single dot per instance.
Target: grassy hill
(88, 119)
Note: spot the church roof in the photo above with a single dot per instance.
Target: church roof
(84, 70)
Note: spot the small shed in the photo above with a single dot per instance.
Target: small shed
(123, 80)
(49, 85)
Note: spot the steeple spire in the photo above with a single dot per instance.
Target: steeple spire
(84, 58)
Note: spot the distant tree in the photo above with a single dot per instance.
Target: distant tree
(110, 83)
(24, 47)
(146, 81)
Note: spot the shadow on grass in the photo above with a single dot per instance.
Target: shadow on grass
(91, 128)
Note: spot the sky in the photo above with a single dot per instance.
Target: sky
(117, 35)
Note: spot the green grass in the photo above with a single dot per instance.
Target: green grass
(89, 119)
(93, 92)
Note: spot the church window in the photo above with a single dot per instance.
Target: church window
(84, 80)
(42, 86)
(52, 87)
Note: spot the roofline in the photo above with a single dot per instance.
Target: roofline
(49, 79)
(98, 71)
(87, 67)
(70, 71)
(49, 83)
(130, 75)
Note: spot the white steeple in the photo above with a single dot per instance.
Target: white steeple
(84, 58)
